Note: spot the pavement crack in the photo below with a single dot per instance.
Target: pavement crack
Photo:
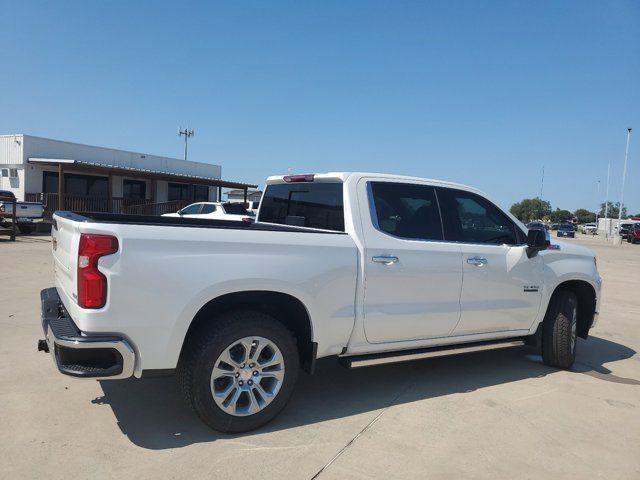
(364, 429)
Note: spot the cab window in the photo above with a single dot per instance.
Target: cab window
(405, 210)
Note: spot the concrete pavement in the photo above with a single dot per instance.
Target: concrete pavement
(499, 414)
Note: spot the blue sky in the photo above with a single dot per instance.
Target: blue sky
(483, 93)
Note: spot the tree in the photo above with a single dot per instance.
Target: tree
(584, 216)
(559, 216)
(530, 209)
(614, 209)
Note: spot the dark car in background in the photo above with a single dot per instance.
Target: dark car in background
(634, 233)
(566, 230)
(624, 229)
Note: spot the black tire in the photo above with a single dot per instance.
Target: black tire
(559, 339)
(25, 229)
(207, 344)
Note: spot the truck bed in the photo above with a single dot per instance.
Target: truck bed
(153, 220)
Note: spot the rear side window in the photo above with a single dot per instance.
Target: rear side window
(208, 208)
(469, 218)
(235, 209)
(405, 210)
(313, 205)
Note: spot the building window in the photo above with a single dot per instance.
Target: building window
(178, 191)
(76, 184)
(200, 193)
(134, 189)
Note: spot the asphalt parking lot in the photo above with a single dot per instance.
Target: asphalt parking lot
(499, 414)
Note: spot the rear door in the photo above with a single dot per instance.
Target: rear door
(412, 277)
(502, 287)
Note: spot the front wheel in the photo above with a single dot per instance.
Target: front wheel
(239, 372)
(25, 229)
(559, 330)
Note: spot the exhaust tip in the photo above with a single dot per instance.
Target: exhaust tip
(43, 346)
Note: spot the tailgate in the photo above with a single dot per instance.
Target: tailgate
(65, 238)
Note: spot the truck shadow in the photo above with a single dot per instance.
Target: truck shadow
(153, 414)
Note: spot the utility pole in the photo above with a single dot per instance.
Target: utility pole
(624, 177)
(187, 133)
(542, 183)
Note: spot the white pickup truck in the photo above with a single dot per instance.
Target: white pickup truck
(27, 213)
(371, 268)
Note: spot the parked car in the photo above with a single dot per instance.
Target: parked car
(634, 233)
(371, 268)
(27, 213)
(624, 229)
(590, 229)
(554, 226)
(566, 230)
(215, 211)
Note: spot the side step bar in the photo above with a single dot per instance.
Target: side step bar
(358, 361)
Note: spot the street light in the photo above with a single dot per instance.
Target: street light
(187, 133)
(624, 177)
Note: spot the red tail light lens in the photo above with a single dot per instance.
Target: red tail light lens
(92, 284)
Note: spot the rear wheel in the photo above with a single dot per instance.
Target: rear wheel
(239, 372)
(560, 327)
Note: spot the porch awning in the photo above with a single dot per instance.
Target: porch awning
(92, 167)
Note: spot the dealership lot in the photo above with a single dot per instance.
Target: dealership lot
(496, 414)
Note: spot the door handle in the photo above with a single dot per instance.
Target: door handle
(477, 261)
(386, 259)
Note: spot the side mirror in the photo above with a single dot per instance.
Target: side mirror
(536, 241)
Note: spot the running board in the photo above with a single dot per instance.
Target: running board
(358, 361)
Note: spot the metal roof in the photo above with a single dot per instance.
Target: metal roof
(140, 171)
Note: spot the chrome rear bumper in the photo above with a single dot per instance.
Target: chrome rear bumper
(77, 354)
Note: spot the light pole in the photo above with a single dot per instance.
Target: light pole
(187, 133)
(607, 223)
(597, 211)
(624, 177)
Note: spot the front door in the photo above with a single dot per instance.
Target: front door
(412, 278)
(502, 287)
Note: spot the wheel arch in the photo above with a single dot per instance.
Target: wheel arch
(285, 308)
(586, 295)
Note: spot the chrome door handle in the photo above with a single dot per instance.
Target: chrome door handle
(386, 259)
(477, 261)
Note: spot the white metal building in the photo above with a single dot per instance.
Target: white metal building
(83, 177)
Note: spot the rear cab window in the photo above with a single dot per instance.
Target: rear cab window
(306, 204)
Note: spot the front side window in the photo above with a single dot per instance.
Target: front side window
(308, 204)
(208, 208)
(406, 210)
(470, 218)
(192, 209)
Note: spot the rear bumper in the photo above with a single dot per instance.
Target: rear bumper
(77, 354)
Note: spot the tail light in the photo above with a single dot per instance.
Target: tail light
(92, 284)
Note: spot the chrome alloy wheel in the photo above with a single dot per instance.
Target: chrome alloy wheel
(574, 328)
(247, 376)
